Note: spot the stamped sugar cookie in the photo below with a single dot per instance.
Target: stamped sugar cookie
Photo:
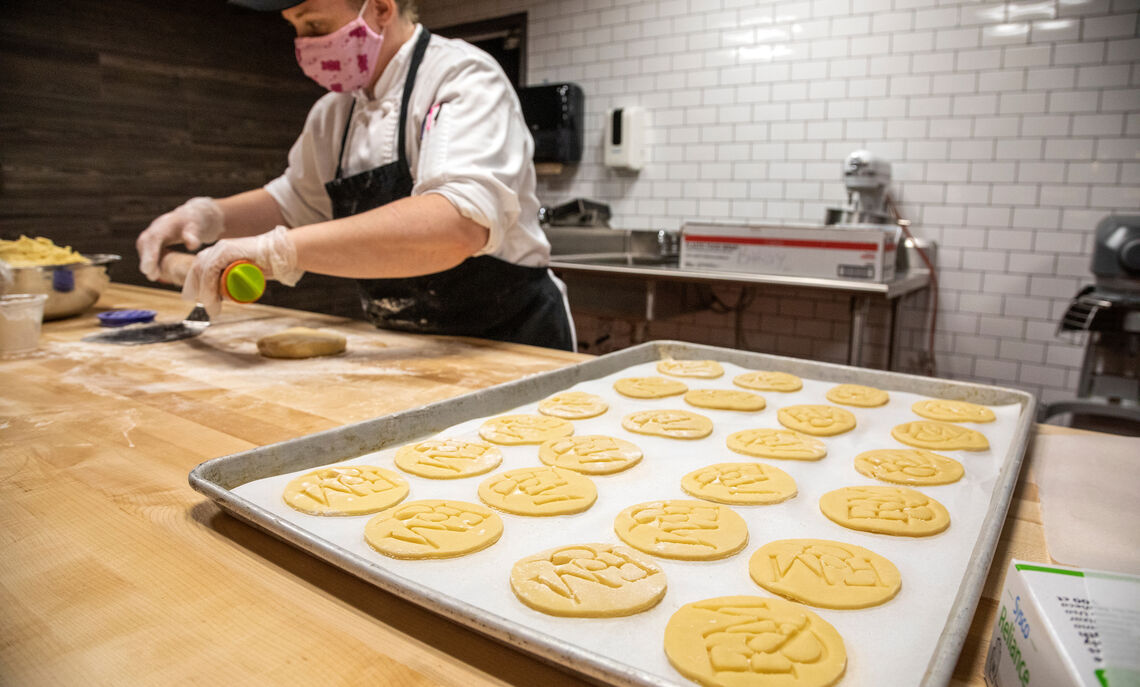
(725, 399)
(649, 387)
(538, 491)
(764, 380)
(588, 581)
(825, 573)
(741, 641)
(858, 395)
(433, 529)
(705, 369)
(740, 483)
(448, 458)
(674, 424)
(573, 405)
(591, 454)
(952, 411)
(686, 530)
(823, 421)
(777, 443)
(346, 490)
(908, 466)
(887, 510)
(939, 436)
(524, 429)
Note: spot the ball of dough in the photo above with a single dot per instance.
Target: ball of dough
(301, 342)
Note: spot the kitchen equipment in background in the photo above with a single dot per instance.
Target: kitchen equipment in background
(576, 213)
(625, 138)
(1109, 311)
(70, 289)
(866, 177)
(601, 246)
(580, 230)
(553, 112)
(863, 252)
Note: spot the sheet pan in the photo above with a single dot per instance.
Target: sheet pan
(942, 575)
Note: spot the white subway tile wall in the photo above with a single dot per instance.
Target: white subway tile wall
(1013, 128)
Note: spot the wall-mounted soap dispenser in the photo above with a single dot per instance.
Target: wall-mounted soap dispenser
(625, 138)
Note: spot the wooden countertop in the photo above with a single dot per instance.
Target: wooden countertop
(114, 571)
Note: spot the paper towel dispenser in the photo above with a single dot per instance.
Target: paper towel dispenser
(554, 114)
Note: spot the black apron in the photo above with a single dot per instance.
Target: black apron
(483, 296)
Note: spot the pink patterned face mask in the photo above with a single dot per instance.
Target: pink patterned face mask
(342, 60)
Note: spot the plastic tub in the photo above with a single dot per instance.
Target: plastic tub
(21, 315)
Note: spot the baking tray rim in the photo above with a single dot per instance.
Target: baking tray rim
(345, 442)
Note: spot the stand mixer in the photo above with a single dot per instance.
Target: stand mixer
(866, 177)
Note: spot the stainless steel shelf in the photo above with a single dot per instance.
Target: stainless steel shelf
(651, 268)
(636, 266)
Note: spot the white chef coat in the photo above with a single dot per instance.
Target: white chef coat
(474, 149)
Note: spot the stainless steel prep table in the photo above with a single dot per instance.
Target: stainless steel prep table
(860, 292)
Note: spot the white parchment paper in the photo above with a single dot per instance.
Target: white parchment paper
(1089, 485)
(887, 645)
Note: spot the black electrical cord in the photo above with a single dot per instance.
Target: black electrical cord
(905, 226)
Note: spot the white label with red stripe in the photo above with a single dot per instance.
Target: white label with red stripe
(829, 253)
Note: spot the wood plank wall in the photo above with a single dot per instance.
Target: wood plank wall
(115, 111)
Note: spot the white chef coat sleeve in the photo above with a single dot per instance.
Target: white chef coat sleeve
(300, 191)
(475, 147)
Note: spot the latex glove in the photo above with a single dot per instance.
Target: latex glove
(196, 222)
(272, 251)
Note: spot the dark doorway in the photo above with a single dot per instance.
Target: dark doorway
(504, 38)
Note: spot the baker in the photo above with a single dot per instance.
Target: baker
(413, 175)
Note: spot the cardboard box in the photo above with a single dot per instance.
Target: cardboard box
(1065, 626)
(863, 252)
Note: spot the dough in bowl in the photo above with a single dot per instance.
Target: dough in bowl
(301, 342)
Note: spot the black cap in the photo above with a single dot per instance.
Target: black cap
(266, 5)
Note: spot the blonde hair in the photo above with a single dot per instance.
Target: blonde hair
(407, 8)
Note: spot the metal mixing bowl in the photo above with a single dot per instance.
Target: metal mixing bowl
(70, 289)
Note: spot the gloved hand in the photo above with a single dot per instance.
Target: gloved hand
(272, 251)
(195, 222)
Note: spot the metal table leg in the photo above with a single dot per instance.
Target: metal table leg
(860, 307)
(746, 295)
(638, 331)
(892, 331)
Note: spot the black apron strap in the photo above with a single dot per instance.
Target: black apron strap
(409, 84)
(344, 139)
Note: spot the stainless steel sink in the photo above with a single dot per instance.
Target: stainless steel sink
(580, 244)
(619, 259)
(590, 261)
